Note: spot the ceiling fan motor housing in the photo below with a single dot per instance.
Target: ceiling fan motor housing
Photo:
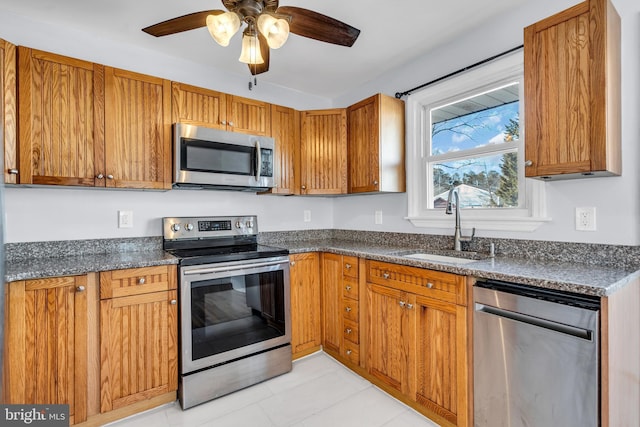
(250, 8)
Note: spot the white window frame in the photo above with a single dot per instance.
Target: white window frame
(527, 217)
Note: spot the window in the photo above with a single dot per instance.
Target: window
(467, 132)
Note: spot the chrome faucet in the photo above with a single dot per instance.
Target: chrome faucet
(457, 238)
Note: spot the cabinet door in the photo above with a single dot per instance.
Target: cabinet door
(285, 129)
(46, 334)
(248, 116)
(572, 88)
(191, 104)
(8, 114)
(306, 325)
(61, 119)
(441, 359)
(138, 347)
(364, 140)
(332, 302)
(323, 152)
(391, 337)
(138, 130)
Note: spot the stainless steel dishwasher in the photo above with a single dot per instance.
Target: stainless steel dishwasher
(536, 357)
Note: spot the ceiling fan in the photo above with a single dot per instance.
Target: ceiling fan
(268, 27)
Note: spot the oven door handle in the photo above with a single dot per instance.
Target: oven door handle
(221, 269)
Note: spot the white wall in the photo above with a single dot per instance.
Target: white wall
(52, 214)
(616, 199)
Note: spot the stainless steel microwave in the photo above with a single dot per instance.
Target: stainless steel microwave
(216, 159)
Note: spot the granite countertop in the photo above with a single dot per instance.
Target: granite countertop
(565, 276)
(35, 268)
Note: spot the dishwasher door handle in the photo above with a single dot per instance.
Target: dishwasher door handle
(581, 333)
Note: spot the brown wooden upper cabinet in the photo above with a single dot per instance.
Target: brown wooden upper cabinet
(218, 110)
(137, 131)
(61, 114)
(572, 93)
(8, 113)
(376, 145)
(285, 130)
(323, 152)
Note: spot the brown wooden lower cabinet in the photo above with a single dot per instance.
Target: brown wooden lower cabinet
(138, 337)
(306, 326)
(46, 323)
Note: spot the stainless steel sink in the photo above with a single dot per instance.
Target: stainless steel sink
(440, 258)
(444, 256)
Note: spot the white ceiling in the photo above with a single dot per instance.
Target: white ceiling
(392, 33)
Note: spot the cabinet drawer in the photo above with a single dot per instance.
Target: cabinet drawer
(350, 309)
(350, 288)
(351, 332)
(352, 352)
(433, 284)
(136, 281)
(350, 266)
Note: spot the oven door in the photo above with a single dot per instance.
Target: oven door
(231, 310)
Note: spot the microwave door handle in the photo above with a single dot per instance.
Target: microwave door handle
(258, 160)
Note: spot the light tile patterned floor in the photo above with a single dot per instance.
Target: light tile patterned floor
(318, 392)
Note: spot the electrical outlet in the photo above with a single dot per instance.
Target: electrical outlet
(586, 219)
(125, 219)
(307, 216)
(378, 217)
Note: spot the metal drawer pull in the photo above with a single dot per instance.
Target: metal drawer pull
(402, 303)
(347, 266)
(409, 306)
(348, 330)
(385, 275)
(429, 285)
(80, 288)
(348, 309)
(348, 287)
(174, 302)
(13, 171)
(349, 352)
(141, 281)
(109, 176)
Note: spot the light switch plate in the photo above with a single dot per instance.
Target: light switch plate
(307, 216)
(125, 219)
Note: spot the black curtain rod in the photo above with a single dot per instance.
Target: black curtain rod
(462, 70)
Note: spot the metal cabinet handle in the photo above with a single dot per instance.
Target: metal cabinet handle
(385, 275)
(109, 176)
(141, 281)
(347, 266)
(13, 171)
(173, 302)
(304, 187)
(348, 287)
(230, 123)
(348, 309)
(348, 331)
(409, 306)
(528, 163)
(224, 122)
(375, 182)
(292, 263)
(349, 352)
(100, 176)
(429, 285)
(80, 288)
(402, 303)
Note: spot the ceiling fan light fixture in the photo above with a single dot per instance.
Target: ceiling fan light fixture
(276, 30)
(250, 53)
(223, 26)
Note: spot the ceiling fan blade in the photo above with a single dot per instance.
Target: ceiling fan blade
(264, 50)
(314, 25)
(181, 23)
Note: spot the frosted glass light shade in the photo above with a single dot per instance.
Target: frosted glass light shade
(251, 50)
(222, 27)
(275, 30)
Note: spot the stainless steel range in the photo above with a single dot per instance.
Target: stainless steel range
(234, 306)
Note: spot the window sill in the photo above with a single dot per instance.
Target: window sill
(480, 220)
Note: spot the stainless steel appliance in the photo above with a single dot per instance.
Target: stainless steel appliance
(235, 325)
(216, 159)
(535, 357)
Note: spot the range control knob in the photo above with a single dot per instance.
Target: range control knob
(239, 224)
(175, 227)
(249, 224)
(188, 227)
